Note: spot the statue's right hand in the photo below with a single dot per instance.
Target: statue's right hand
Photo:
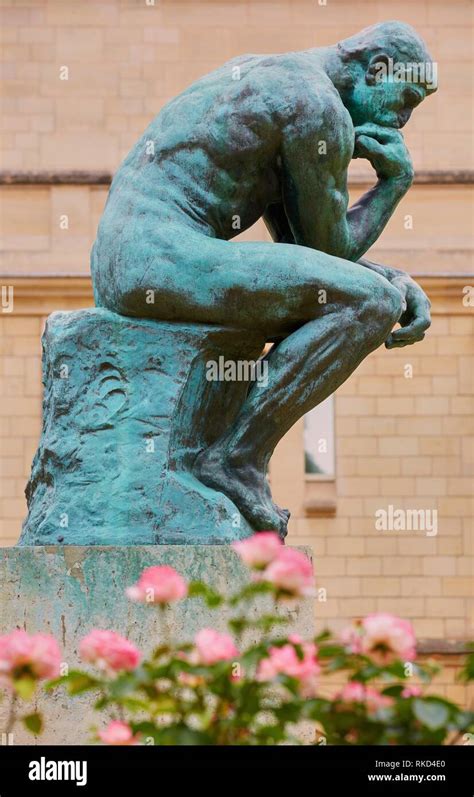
(385, 149)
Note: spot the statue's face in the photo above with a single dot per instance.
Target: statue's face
(385, 103)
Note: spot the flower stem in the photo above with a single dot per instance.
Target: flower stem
(11, 719)
(164, 623)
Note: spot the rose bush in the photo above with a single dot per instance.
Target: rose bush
(26, 659)
(226, 688)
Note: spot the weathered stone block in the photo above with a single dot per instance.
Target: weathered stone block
(127, 408)
(68, 590)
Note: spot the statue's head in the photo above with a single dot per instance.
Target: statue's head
(387, 72)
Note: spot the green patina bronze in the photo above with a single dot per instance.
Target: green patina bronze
(267, 136)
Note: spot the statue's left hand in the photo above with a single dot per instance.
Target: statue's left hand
(415, 319)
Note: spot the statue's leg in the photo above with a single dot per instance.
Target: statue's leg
(327, 313)
(304, 368)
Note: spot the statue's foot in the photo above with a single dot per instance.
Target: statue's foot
(246, 487)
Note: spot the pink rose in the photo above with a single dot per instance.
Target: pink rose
(213, 646)
(118, 733)
(350, 637)
(375, 701)
(261, 549)
(14, 654)
(38, 655)
(291, 573)
(355, 692)
(411, 691)
(161, 584)
(45, 656)
(384, 638)
(284, 660)
(109, 651)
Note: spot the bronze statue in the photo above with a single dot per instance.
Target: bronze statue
(270, 136)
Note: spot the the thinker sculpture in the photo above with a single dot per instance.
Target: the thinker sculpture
(271, 136)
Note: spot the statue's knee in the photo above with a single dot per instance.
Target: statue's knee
(380, 310)
(392, 304)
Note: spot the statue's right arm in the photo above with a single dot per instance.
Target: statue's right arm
(315, 193)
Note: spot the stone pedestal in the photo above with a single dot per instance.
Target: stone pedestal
(68, 590)
(127, 408)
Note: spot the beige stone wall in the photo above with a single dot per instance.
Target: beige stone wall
(401, 441)
(126, 59)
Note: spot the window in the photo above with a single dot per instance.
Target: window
(319, 447)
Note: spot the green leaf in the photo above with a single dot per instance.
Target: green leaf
(253, 655)
(393, 691)
(25, 686)
(185, 736)
(329, 651)
(76, 682)
(237, 624)
(124, 684)
(80, 682)
(366, 673)
(268, 621)
(271, 734)
(146, 728)
(317, 708)
(34, 722)
(431, 713)
(101, 703)
(177, 734)
(323, 636)
(134, 704)
(264, 623)
(251, 591)
(292, 684)
(160, 651)
(397, 669)
(197, 589)
(467, 672)
(464, 720)
(452, 707)
(50, 685)
(288, 712)
(340, 663)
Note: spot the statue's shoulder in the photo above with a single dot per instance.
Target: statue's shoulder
(306, 101)
(280, 75)
(297, 83)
